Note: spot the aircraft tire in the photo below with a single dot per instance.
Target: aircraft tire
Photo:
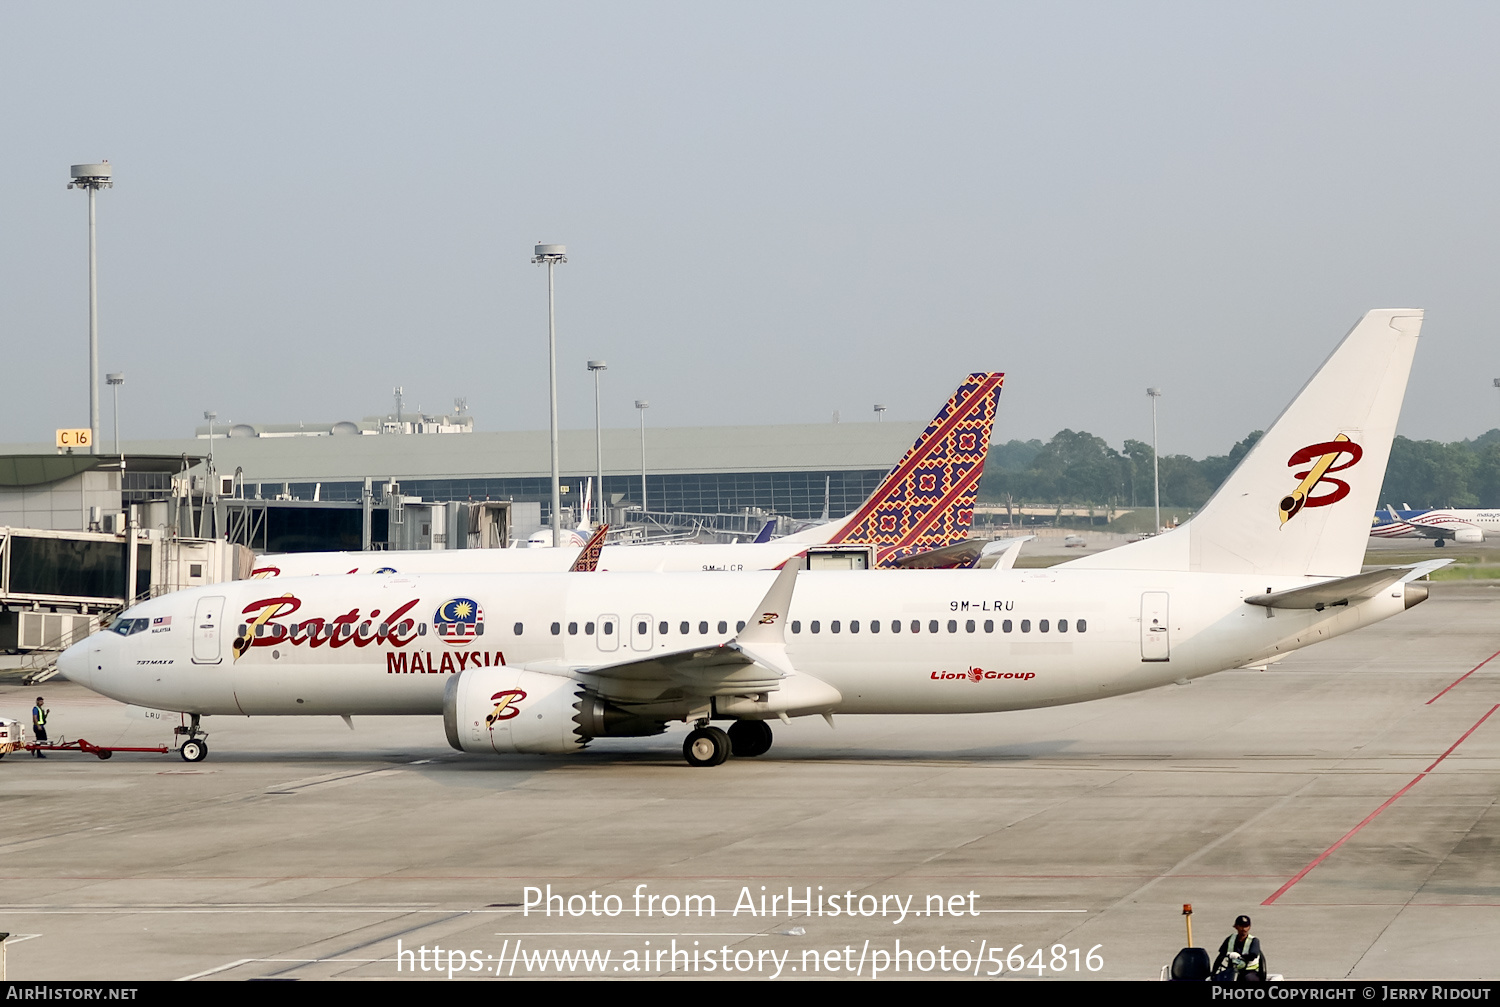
(193, 750)
(706, 746)
(749, 738)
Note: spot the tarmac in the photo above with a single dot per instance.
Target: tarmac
(1345, 799)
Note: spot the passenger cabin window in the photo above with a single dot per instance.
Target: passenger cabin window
(703, 628)
(518, 629)
(953, 625)
(1026, 625)
(588, 628)
(739, 627)
(683, 629)
(989, 625)
(969, 626)
(834, 626)
(662, 628)
(854, 625)
(796, 625)
(814, 626)
(723, 626)
(572, 629)
(1083, 626)
(874, 625)
(557, 629)
(916, 625)
(1042, 626)
(1062, 625)
(895, 625)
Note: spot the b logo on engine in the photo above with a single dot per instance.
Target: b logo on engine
(505, 706)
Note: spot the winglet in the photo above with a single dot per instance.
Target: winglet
(763, 639)
(768, 624)
(588, 559)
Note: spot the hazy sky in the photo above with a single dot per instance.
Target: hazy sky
(773, 210)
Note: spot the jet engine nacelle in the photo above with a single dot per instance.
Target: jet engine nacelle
(507, 710)
(1468, 536)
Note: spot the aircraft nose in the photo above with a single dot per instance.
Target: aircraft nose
(75, 663)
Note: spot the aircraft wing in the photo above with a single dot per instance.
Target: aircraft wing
(753, 662)
(1344, 590)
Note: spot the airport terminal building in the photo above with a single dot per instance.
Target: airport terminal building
(786, 471)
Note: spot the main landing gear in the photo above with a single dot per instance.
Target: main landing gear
(750, 738)
(710, 746)
(193, 747)
(706, 746)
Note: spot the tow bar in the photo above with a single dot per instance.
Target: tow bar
(82, 745)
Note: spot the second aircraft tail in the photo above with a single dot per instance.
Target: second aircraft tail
(927, 500)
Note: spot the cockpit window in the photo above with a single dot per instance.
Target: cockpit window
(129, 627)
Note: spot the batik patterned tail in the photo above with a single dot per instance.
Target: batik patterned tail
(588, 559)
(927, 501)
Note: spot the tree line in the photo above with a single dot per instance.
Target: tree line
(1078, 468)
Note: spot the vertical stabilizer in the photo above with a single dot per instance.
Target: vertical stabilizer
(1299, 503)
(927, 501)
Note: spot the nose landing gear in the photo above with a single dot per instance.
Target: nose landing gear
(193, 748)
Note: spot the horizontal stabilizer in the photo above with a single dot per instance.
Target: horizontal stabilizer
(958, 556)
(1345, 590)
(1001, 554)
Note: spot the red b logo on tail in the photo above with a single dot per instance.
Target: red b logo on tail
(1323, 456)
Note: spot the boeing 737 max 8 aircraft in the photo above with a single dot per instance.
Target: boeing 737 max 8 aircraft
(549, 662)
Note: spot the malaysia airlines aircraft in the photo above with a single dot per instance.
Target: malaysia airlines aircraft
(1464, 526)
(549, 662)
(924, 504)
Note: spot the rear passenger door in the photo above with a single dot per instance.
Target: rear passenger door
(1156, 636)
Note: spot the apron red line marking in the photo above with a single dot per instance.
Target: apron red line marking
(1371, 816)
(1465, 675)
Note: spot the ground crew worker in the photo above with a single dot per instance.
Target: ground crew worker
(39, 725)
(1240, 960)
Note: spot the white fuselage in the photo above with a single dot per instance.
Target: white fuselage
(897, 642)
